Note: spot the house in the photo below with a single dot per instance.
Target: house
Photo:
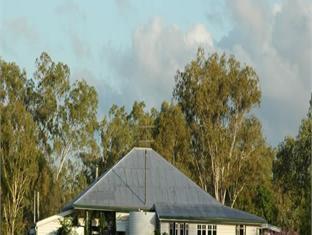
(145, 194)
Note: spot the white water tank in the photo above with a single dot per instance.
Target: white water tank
(142, 223)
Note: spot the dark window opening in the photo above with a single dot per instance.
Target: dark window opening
(171, 228)
(240, 229)
(206, 229)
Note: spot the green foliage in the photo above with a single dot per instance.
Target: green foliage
(216, 95)
(66, 227)
(19, 152)
(116, 135)
(53, 117)
(260, 200)
(292, 177)
(19, 155)
(172, 137)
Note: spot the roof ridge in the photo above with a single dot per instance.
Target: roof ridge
(147, 148)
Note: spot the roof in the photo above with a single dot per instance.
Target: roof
(123, 186)
(145, 180)
(207, 213)
(271, 227)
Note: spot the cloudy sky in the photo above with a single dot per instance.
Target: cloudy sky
(130, 50)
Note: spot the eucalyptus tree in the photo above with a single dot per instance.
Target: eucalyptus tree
(142, 124)
(65, 112)
(19, 152)
(292, 178)
(116, 136)
(120, 131)
(172, 137)
(217, 95)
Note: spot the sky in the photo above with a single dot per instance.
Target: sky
(130, 50)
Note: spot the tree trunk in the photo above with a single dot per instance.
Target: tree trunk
(236, 195)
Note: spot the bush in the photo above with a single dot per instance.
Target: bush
(67, 226)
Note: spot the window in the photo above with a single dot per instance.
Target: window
(199, 231)
(176, 229)
(209, 230)
(171, 228)
(203, 229)
(181, 229)
(206, 229)
(214, 229)
(240, 229)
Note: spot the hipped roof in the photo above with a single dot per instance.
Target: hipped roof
(145, 180)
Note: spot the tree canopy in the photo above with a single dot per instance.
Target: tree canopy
(216, 95)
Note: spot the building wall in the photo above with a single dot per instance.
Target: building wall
(164, 227)
(50, 225)
(49, 228)
(226, 229)
(192, 229)
(251, 230)
(222, 229)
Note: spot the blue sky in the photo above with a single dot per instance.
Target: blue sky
(130, 50)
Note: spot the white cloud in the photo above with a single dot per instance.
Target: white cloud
(198, 35)
(146, 70)
(277, 43)
(277, 8)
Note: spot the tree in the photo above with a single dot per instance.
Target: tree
(216, 95)
(18, 148)
(116, 136)
(76, 123)
(251, 163)
(121, 131)
(65, 116)
(142, 124)
(46, 93)
(171, 136)
(292, 177)
(65, 113)
(19, 154)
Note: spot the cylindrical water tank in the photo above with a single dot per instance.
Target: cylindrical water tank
(142, 223)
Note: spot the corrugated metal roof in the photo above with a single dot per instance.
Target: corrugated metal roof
(204, 212)
(124, 184)
(167, 189)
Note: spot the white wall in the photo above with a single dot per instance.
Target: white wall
(226, 229)
(251, 230)
(50, 225)
(49, 228)
(222, 229)
(164, 227)
(192, 229)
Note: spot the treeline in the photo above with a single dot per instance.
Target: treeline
(52, 141)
